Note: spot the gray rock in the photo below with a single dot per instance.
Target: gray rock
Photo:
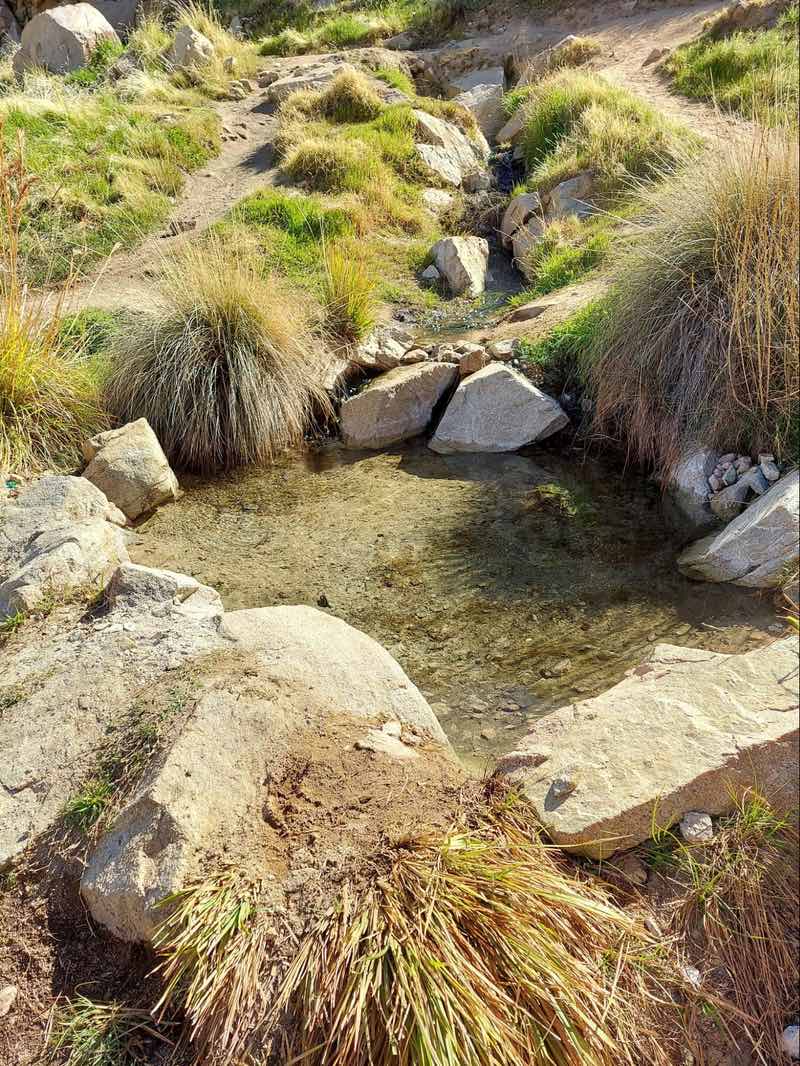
(715, 483)
(687, 730)
(511, 132)
(755, 480)
(9, 27)
(189, 48)
(129, 467)
(501, 351)
(697, 828)
(437, 200)
(305, 670)
(791, 1041)
(477, 181)
(770, 470)
(743, 464)
(62, 39)
(730, 501)
(496, 410)
(688, 486)
(446, 150)
(730, 476)
(430, 273)
(395, 406)
(524, 212)
(463, 262)
(312, 77)
(571, 197)
(485, 103)
(755, 548)
(484, 76)
(142, 587)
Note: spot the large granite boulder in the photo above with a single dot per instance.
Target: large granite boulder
(755, 549)
(60, 538)
(395, 406)
(689, 730)
(62, 39)
(289, 677)
(463, 262)
(129, 466)
(485, 103)
(448, 152)
(496, 410)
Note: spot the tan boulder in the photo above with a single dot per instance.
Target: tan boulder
(395, 406)
(463, 261)
(524, 213)
(485, 103)
(129, 467)
(689, 730)
(190, 48)
(62, 39)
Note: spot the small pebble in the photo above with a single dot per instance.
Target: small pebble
(715, 483)
(697, 828)
(7, 997)
(791, 1041)
(563, 786)
(691, 975)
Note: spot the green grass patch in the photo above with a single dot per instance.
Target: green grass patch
(397, 79)
(85, 1033)
(302, 217)
(753, 73)
(100, 60)
(578, 121)
(565, 355)
(567, 251)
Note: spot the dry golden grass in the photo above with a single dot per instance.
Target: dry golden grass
(49, 399)
(350, 98)
(227, 368)
(349, 301)
(701, 339)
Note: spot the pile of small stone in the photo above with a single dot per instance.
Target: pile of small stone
(393, 346)
(735, 477)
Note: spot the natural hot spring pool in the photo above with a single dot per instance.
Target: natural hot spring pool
(506, 585)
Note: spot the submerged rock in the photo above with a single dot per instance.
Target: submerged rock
(395, 406)
(689, 730)
(63, 39)
(129, 466)
(755, 548)
(496, 410)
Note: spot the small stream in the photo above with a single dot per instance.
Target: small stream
(505, 585)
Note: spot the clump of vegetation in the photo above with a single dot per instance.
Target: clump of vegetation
(227, 369)
(100, 60)
(565, 355)
(349, 300)
(738, 895)
(49, 401)
(705, 309)
(97, 1034)
(332, 166)
(577, 121)
(567, 250)
(350, 98)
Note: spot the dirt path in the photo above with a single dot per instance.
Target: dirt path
(245, 163)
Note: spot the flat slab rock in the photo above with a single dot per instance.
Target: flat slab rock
(496, 410)
(683, 732)
(395, 406)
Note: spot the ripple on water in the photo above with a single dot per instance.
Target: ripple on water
(506, 585)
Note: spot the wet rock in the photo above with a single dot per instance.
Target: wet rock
(305, 669)
(688, 487)
(463, 262)
(688, 730)
(755, 548)
(485, 103)
(190, 48)
(697, 828)
(130, 468)
(63, 39)
(496, 410)
(395, 406)
(60, 537)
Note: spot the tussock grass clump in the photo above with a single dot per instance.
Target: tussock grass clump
(568, 249)
(332, 166)
(303, 217)
(577, 121)
(755, 73)
(702, 336)
(739, 895)
(349, 301)
(564, 356)
(350, 98)
(97, 1034)
(49, 400)
(227, 369)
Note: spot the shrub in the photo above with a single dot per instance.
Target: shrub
(756, 73)
(100, 60)
(48, 396)
(350, 98)
(96, 1034)
(702, 339)
(348, 295)
(332, 166)
(226, 370)
(578, 121)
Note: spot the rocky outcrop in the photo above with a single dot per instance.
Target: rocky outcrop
(287, 675)
(60, 537)
(190, 48)
(396, 406)
(496, 410)
(485, 103)
(756, 548)
(448, 152)
(463, 262)
(62, 39)
(689, 730)
(130, 468)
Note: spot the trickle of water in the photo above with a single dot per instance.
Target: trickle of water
(505, 585)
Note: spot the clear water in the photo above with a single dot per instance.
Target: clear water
(506, 585)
